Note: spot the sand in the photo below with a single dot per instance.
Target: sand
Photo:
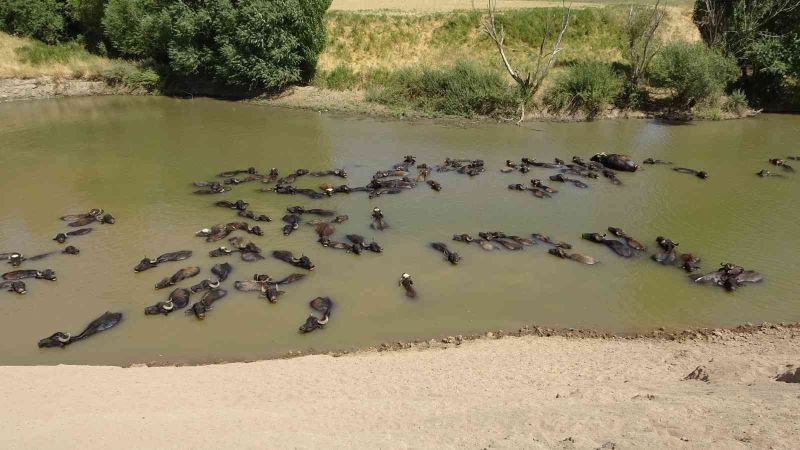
(514, 392)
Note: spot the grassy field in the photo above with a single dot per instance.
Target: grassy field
(26, 58)
(363, 47)
(453, 5)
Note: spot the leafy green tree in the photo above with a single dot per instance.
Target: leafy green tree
(692, 72)
(40, 19)
(255, 44)
(84, 18)
(761, 34)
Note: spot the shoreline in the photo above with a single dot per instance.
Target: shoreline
(310, 98)
(701, 335)
(514, 392)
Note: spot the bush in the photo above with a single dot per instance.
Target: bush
(133, 77)
(588, 87)
(40, 19)
(736, 103)
(256, 44)
(463, 90)
(692, 72)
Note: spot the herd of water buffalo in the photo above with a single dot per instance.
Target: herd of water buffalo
(395, 180)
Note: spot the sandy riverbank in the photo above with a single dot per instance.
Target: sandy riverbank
(515, 392)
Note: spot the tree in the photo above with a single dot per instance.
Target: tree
(692, 72)
(40, 19)
(761, 34)
(252, 44)
(736, 24)
(640, 42)
(530, 82)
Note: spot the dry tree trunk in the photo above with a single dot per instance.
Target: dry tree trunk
(529, 83)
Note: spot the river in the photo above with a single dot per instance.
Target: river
(137, 158)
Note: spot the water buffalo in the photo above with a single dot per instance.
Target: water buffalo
(62, 339)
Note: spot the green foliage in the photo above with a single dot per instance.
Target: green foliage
(40, 19)
(639, 41)
(692, 72)
(764, 37)
(530, 25)
(248, 43)
(341, 78)
(589, 87)
(736, 103)
(462, 90)
(457, 28)
(84, 19)
(134, 77)
(38, 53)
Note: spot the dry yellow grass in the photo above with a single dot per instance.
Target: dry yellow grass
(453, 5)
(81, 66)
(372, 41)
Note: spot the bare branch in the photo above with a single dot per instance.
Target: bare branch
(531, 82)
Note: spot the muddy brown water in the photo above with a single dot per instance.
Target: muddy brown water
(136, 157)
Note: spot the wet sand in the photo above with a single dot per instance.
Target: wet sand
(514, 392)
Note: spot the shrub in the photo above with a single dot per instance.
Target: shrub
(736, 103)
(588, 87)
(256, 44)
(692, 72)
(40, 19)
(133, 77)
(462, 90)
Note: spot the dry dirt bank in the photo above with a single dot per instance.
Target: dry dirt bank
(514, 392)
(49, 87)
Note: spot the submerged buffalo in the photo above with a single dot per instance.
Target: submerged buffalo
(178, 299)
(302, 262)
(200, 308)
(616, 161)
(378, 221)
(17, 287)
(618, 247)
(147, 263)
(408, 285)
(584, 259)
(47, 274)
(629, 241)
(323, 305)
(186, 272)
(62, 339)
(729, 276)
(452, 257)
(702, 174)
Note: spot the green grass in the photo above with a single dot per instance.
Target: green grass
(462, 90)
(442, 39)
(588, 86)
(38, 53)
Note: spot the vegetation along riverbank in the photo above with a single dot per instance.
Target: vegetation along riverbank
(511, 61)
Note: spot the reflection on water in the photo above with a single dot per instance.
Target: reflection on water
(136, 157)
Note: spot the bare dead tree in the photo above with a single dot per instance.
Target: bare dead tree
(530, 82)
(641, 42)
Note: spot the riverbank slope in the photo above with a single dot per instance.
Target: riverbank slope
(368, 44)
(514, 392)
